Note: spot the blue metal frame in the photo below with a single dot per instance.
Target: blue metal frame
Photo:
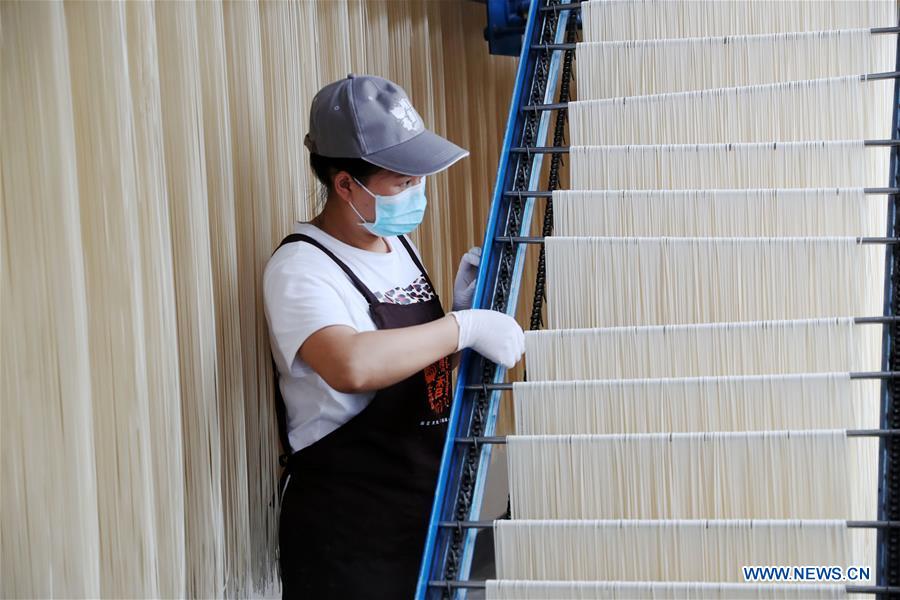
(887, 471)
(472, 365)
(512, 301)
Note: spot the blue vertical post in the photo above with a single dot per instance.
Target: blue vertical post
(497, 284)
(888, 540)
(534, 179)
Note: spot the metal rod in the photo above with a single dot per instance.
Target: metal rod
(885, 319)
(872, 589)
(529, 194)
(574, 5)
(490, 387)
(565, 105)
(477, 584)
(574, 45)
(529, 150)
(481, 439)
(540, 150)
(549, 194)
(466, 524)
(882, 75)
(537, 239)
(875, 375)
(501, 439)
(488, 524)
(453, 585)
(520, 239)
(541, 107)
(563, 46)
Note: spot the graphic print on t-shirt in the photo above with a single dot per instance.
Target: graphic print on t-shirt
(437, 374)
(417, 291)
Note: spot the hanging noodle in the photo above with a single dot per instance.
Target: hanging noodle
(160, 327)
(840, 108)
(751, 348)
(606, 20)
(845, 163)
(733, 403)
(633, 68)
(806, 474)
(49, 481)
(719, 213)
(673, 550)
(604, 282)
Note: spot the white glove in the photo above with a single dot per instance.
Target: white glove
(466, 278)
(495, 335)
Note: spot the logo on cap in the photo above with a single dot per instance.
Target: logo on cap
(404, 112)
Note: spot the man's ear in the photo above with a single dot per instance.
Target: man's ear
(342, 185)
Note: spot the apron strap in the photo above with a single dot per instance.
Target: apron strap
(416, 260)
(281, 415)
(359, 285)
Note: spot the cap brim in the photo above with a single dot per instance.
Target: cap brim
(424, 154)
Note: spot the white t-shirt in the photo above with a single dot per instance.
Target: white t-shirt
(304, 290)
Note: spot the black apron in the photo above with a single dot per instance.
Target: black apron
(355, 505)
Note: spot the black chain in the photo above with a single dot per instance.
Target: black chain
(890, 538)
(562, 117)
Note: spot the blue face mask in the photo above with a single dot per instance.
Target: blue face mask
(397, 214)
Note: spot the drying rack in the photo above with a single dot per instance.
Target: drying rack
(541, 89)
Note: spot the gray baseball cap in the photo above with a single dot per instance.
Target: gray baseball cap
(370, 117)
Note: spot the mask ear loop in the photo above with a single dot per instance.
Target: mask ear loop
(363, 220)
(364, 187)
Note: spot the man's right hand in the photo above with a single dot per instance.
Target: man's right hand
(495, 335)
